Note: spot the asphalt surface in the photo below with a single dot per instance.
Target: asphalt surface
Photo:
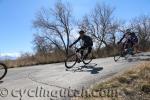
(49, 82)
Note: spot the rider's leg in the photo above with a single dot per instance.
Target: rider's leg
(82, 50)
(129, 46)
(89, 51)
(124, 48)
(132, 48)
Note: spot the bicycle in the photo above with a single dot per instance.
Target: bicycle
(3, 70)
(75, 57)
(120, 52)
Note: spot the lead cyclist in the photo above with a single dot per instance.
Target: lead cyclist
(87, 43)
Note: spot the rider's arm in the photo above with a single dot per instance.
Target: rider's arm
(121, 39)
(75, 42)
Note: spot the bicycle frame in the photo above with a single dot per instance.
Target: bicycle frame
(122, 52)
(128, 50)
(78, 54)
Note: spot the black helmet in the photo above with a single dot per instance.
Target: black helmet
(128, 31)
(81, 32)
(133, 34)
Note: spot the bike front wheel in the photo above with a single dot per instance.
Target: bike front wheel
(117, 57)
(71, 61)
(3, 70)
(117, 53)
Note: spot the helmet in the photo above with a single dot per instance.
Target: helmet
(133, 34)
(81, 32)
(128, 30)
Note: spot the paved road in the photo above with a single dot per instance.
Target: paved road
(44, 82)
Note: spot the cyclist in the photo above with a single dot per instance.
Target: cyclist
(131, 40)
(87, 43)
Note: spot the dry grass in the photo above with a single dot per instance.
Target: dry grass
(28, 60)
(55, 57)
(133, 84)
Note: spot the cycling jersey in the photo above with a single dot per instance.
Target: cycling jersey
(87, 44)
(134, 38)
(87, 41)
(129, 38)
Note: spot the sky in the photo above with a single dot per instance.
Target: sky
(16, 17)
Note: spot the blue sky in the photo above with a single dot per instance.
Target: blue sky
(16, 18)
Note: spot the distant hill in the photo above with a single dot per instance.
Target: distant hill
(8, 58)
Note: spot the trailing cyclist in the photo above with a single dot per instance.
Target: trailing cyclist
(130, 42)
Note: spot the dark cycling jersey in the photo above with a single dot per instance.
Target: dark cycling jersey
(87, 41)
(130, 38)
(134, 38)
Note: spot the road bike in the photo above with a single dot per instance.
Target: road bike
(76, 57)
(120, 52)
(3, 70)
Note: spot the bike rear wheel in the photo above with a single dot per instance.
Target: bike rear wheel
(88, 59)
(71, 61)
(3, 70)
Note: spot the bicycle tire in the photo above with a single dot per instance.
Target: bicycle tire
(116, 58)
(67, 61)
(85, 61)
(117, 53)
(4, 67)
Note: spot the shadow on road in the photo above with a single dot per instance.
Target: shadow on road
(87, 68)
(1, 82)
(138, 59)
(135, 58)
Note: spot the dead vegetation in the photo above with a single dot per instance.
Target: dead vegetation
(133, 84)
(29, 60)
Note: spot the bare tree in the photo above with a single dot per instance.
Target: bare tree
(101, 25)
(141, 25)
(55, 25)
(41, 46)
(84, 24)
